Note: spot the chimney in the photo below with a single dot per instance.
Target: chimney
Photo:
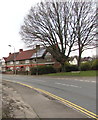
(37, 47)
(20, 50)
(9, 54)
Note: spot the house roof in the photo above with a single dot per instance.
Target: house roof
(39, 53)
(72, 58)
(86, 59)
(5, 58)
(11, 57)
(25, 54)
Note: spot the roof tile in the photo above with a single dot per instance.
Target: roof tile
(11, 57)
(25, 54)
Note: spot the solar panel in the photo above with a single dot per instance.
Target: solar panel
(39, 53)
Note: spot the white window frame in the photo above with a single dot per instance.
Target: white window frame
(33, 61)
(49, 59)
(11, 68)
(27, 68)
(11, 62)
(17, 62)
(27, 61)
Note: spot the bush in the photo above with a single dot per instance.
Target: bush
(22, 72)
(33, 71)
(42, 70)
(73, 67)
(95, 65)
(69, 67)
(85, 66)
(58, 69)
(9, 70)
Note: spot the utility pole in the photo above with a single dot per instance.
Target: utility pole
(36, 64)
(14, 59)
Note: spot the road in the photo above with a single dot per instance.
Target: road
(78, 90)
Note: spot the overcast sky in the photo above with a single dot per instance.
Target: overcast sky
(12, 13)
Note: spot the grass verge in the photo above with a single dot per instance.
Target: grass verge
(75, 73)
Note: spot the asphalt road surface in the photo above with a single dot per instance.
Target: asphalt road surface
(78, 90)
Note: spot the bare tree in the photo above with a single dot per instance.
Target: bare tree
(62, 27)
(85, 14)
(51, 24)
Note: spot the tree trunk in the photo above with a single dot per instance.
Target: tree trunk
(63, 67)
(79, 60)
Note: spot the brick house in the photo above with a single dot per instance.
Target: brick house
(86, 59)
(73, 60)
(24, 60)
(2, 65)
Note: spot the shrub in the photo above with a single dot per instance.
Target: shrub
(85, 66)
(69, 67)
(42, 70)
(22, 72)
(58, 69)
(95, 65)
(9, 70)
(74, 68)
(33, 71)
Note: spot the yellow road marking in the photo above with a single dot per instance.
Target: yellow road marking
(64, 101)
(72, 105)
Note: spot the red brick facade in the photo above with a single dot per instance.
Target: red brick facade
(24, 60)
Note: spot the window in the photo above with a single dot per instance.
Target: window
(34, 61)
(17, 62)
(27, 61)
(49, 59)
(27, 68)
(11, 62)
(11, 68)
(3, 63)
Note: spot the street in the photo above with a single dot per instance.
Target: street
(78, 90)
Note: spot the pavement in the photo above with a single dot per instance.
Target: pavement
(29, 103)
(0, 100)
(13, 105)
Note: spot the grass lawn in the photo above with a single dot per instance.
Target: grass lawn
(77, 73)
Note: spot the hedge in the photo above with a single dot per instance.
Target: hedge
(42, 70)
(85, 66)
(69, 67)
(95, 65)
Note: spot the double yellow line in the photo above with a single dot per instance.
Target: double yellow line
(66, 102)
